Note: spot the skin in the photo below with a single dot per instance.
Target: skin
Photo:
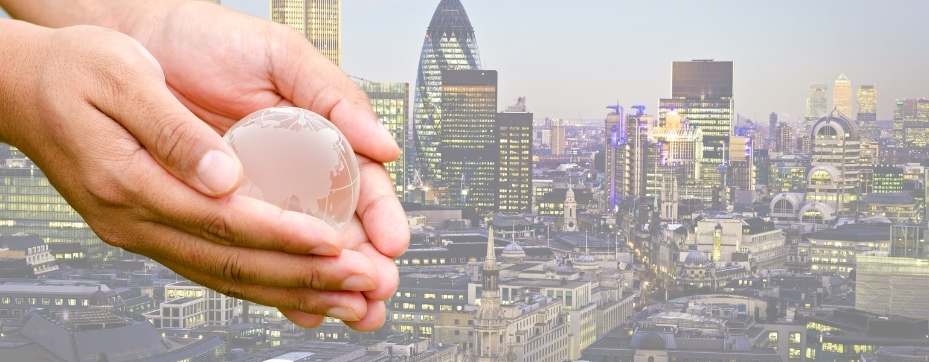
(125, 118)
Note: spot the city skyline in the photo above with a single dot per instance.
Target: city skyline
(778, 52)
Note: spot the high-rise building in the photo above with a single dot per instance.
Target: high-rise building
(772, 129)
(842, 95)
(817, 103)
(909, 241)
(514, 140)
(319, 20)
(911, 119)
(557, 137)
(702, 94)
(834, 178)
(30, 204)
(626, 143)
(701, 79)
(741, 168)
(391, 102)
(867, 104)
(673, 164)
(468, 147)
(784, 141)
(449, 44)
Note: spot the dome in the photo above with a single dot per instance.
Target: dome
(513, 252)
(786, 203)
(816, 212)
(824, 175)
(647, 340)
(833, 126)
(695, 258)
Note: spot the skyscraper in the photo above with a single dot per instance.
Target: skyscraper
(867, 104)
(449, 44)
(842, 95)
(514, 142)
(557, 134)
(390, 100)
(817, 103)
(772, 129)
(626, 142)
(702, 95)
(468, 139)
(319, 20)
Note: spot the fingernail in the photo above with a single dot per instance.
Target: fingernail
(358, 283)
(343, 313)
(218, 171)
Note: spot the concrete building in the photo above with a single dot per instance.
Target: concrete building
(18, 296)
(817, 103)
(30, 250)
(219, 309)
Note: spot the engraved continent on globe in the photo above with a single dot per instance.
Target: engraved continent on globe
(297, 160)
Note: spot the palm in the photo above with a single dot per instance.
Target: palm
(226, 65)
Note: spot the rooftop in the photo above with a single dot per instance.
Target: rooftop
(854, 232)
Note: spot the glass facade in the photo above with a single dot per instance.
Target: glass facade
(450, 44)
(842, 95)
(318, 20)
(391, 102)
(867, 104)
(514, 134)
(30, 204)
(468, 147)
(817, 103)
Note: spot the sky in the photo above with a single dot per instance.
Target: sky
(571, 61)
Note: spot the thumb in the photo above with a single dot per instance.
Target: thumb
(182, 143)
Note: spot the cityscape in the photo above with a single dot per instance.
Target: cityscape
(677, 230)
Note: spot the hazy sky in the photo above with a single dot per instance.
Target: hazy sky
(572, 58)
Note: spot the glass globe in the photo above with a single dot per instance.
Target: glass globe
(299, 161)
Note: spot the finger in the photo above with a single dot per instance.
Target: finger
(350, 270)
(303, 319)
(374, 318)
(311, 81)
(186, 146)
(380, 211)
(235, 220)
(388, 278)
(342, 305)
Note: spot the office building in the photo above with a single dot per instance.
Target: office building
(449, 44)
(29, 204)
(702, 95)
(319, 20)
(218, 309)
(834, 179)
(817, 103)
(514, 141)
(626, 145)
(886, 179)
(835, 250)
(391, 103)
(911, 120)
(909, 241)
(867, 104)
(772, 128)
(784, 141)
(842, 96)
(468, 147)
(674, 165)
(846, 334)
(557, 136)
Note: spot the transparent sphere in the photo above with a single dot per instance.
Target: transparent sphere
(299, 161)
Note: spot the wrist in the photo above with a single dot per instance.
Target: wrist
(20, 44)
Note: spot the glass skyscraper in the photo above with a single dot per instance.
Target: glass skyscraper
(468, 147)
(449, 44)
(390, 100)
(817, 103)
(867, 104)
(702, 98)
(514, 144)
(842, 95)
(319, 20)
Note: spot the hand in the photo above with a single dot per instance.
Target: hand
(224, 65)
(91, 108)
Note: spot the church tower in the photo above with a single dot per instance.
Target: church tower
(489, 322)
(570, 211)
